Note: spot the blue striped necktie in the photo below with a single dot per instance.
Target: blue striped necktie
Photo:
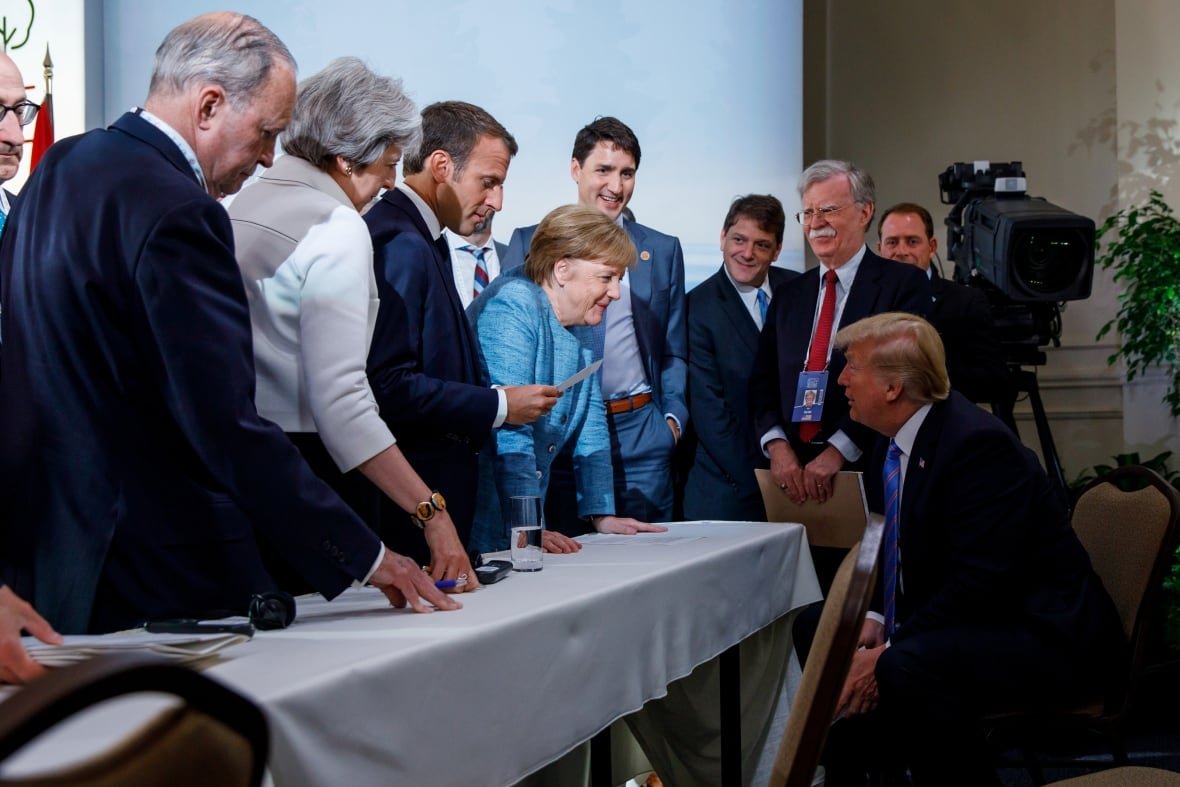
(892, 473)
(763, 303)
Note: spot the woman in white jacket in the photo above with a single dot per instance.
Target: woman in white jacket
(307, 263)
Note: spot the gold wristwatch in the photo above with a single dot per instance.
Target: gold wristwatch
(424, 511)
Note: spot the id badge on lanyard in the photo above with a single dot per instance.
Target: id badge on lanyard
(809, 397)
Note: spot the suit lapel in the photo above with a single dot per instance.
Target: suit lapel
(734, 309)
(442, 266)
(865, 289)
(796, 336)
(922, 459)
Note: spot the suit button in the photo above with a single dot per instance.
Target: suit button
(539, 475)
(552, 448)
(564, 418)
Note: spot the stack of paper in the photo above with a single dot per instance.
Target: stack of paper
(179, 647)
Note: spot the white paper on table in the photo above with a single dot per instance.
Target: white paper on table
(570, 382)
(178, 647)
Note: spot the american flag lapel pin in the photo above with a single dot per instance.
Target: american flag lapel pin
(921, 463)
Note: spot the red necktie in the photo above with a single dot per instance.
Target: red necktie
(817, 356)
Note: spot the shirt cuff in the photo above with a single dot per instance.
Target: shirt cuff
(502, 410)
(774, 433)
(360, 583)
(679, 426)
(843, 443)
(875, 616)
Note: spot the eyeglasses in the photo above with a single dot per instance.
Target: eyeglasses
(25, 112)
(805, 216)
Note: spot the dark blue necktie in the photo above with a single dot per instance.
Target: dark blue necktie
(892, 474)
(763, 303)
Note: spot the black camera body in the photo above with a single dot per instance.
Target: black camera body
(1029, 249)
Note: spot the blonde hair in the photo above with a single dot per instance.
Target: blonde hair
(904, 346)
(577, 232)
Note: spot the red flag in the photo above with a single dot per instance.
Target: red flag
(43, 135)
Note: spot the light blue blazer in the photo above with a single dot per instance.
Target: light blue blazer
(657, 308)
(521, 343)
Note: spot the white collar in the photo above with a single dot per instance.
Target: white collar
(432, 224)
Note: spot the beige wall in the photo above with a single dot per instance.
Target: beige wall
(908, 87)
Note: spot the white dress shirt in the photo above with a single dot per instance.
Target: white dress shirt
(749, 296)
(463, 265)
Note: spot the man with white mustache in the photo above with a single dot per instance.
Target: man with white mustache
(795, 352)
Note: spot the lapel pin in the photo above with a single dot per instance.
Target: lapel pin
(645, 255)
(921, 464)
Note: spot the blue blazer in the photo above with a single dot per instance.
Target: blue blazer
(722, 342)
(521, 343)
(424, 362)
(137, 473)
(657, 307)
(880, 286)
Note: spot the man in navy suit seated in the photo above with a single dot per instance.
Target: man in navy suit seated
(138, 477)
(725, 314)
(962, 316)
(643, 341)
(987, 599)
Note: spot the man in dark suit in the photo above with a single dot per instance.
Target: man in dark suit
(645, 348)
(795, 350)
(974, 358)
(725, 314)
(424, 361)
(18, 113)
(138, 477)
(988, 599)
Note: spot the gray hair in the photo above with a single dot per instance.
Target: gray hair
(347, 110)
(860, 182)
(232, 50)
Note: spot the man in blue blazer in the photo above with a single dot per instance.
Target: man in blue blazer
(991, 603)
(424, 360)
(645, 346)
(138, 477)
(725, 314)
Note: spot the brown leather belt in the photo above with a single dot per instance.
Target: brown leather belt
(627, 403)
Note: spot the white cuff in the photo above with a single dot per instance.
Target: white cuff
(774, 433)
(502, 410)
(843, 443)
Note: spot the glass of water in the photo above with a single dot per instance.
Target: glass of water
(525, 525)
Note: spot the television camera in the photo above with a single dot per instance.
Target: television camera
(1029, 257)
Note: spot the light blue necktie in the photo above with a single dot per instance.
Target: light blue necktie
(3, 221)
(892, 473)
(763, 303)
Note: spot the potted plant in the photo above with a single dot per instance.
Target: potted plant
(1144, 254)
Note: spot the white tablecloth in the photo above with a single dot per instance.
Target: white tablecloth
(360, 694)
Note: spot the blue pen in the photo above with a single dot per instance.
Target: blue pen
(448, 584)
